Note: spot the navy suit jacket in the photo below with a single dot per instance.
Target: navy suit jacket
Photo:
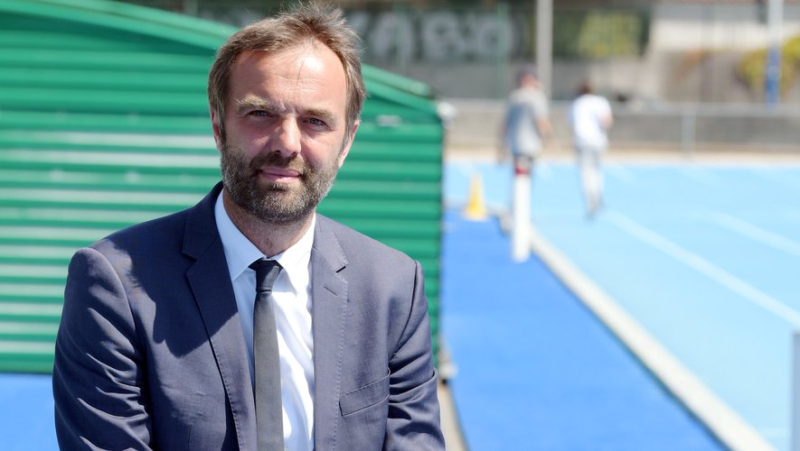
(150, 352)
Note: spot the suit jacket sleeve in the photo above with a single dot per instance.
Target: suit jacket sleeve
(413, 421)
(98, 377)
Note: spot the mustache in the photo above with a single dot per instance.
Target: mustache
(276, 159)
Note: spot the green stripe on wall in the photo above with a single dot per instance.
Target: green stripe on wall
(104, 124)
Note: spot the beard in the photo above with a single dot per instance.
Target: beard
(276, 203)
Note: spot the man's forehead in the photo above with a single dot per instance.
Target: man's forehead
(301, 49)
(309, 62)
(260, 81)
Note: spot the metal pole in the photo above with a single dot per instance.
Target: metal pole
(398, 15)
(501, 53)
(544, 44)
(773, 70)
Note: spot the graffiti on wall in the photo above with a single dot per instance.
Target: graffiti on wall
(460, 36)
(436, 36)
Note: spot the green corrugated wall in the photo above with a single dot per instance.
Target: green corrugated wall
(104, 123)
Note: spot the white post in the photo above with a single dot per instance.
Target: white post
(795, 375)
(521, 211)
(544, 44)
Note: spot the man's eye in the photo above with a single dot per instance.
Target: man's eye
(317, 122)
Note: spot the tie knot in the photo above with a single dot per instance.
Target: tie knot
(266, 273)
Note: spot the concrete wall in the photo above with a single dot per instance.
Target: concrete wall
(692, 55)
(474, 53)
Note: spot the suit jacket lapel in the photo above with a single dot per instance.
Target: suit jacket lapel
(214, 295)
(329, 314)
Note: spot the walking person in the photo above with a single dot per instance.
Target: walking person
(526, 127)
(590, 117)
(249, 321)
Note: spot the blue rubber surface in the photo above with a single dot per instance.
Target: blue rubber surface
(26, 413)
(536, 370)
(705, 257)
(689, 251)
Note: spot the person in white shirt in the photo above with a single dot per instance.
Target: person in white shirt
(590, 117)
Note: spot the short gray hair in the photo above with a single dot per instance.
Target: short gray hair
(304, 23)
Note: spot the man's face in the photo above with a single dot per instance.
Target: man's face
(285, 131)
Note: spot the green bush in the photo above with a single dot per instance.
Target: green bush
(753, 66)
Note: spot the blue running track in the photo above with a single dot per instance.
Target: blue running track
(536, 370)
(26, 413)
(704, 256)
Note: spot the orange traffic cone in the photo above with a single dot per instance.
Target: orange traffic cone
(476, 207)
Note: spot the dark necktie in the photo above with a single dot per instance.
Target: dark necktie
(269, 412)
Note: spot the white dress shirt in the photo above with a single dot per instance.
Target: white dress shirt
(292, 300)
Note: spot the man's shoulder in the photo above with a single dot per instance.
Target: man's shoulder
(169, 227)
(156, 231)
(354, 242)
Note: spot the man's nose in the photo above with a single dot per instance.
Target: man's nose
(287, 137)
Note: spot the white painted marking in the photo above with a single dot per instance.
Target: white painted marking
(699, 175)
(620, 173)
(707, 268)
(755, 233)
(795, 421)
(770, 175)
(725, 423)
(466, 170)
(774, 432)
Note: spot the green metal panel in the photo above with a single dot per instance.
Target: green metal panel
(104, 123)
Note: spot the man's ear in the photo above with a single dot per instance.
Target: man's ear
(349, 143)
(215, 121)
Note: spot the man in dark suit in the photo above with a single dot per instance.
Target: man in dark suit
(156, 347)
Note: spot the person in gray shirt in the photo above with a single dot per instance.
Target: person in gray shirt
(526, 125)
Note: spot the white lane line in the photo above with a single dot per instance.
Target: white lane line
(465, 169)
(620, 173)
(770, 175)
(699, 175)
(707, 268)
(724, 422)
(755, 233)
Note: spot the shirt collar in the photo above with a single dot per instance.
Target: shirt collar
(240, 252)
